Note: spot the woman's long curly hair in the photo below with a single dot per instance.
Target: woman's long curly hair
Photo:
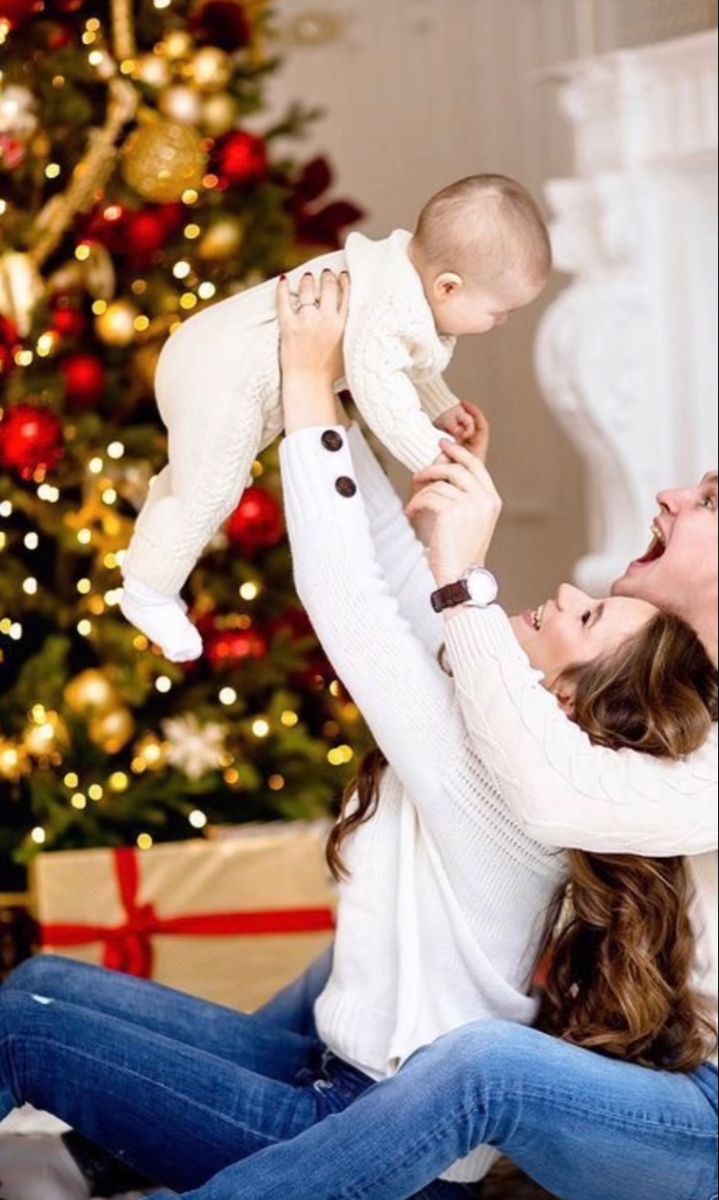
(620, 951)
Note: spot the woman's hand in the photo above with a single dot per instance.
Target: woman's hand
(460, 496)
(311, 331)
(477, 443)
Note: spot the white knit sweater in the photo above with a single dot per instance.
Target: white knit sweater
(218, 391)
(440, 920)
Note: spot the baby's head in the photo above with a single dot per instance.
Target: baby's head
(482, 251)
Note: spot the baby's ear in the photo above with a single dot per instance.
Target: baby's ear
(447, 284)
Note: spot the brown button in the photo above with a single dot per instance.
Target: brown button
(345, 486)
(332, 440)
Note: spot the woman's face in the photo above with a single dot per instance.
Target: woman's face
(572, 628)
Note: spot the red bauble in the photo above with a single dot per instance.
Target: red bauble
(85, 379)
(12, 152)
(69, 322)
(222, 23)
(30, 440)
(257, 521)
(17, 11)
(9, 344)
(227, 648)
(242, 159)
(144, 233)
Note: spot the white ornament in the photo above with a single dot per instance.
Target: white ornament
(17, 112)
(193, 748)
(181, 104)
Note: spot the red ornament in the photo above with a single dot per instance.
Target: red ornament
(69, 322)
(12, 152)
(257, 521)
(144, 233)
(30, 440)
(85, 379)
(242, 159)
(229, 647)
(222, 23)
(17, 11)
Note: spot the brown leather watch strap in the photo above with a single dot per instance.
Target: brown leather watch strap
(450, 595)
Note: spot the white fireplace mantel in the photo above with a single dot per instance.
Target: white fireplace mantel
(627, 355)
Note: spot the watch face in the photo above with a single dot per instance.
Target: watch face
(482, 587)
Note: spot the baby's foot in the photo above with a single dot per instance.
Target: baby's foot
(162, 619)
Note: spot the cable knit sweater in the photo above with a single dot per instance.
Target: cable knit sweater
(440, 921)
(218, 391)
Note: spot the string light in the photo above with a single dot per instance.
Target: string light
(197, 819)
(29, 586)
(38, 835)
(289, 719)
(23, 358)
(109, 496)
(82, 253)
(257, 469)
(206, 290)
(95, 792)
(31, 541)
(163, 684)
(192, 230)
(84, 536)
(227, 695)
(144, 841)
(118, 781)
(3, 207)
(99, 307)
(190, 196)
(115, 450)
(141, 323)
(260, 727)
(46, 343)
(95, 466)
(188, 300)
(249, 591)
(5, 508)
(84, 627)
(140, 642)
(52, 170)
(276, 783)
(181, 269)
(71, 780)
(48, 492)
(83, 586)
(78, 800)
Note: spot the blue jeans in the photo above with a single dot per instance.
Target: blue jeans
(175, 1087)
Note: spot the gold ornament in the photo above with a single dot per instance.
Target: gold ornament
(116, 326)
(181, 104)
(153, 70)
(210, 69)
(90, 692)
(13, 761)
(112, 730)
(219, 114)
(177, 44)
(150, 753)
(44, 737)
(163, 159)
(223, 239)
(20, 289)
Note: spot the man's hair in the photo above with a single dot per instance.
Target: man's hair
(487, 225)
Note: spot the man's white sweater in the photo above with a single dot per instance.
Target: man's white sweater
(218, 391)
(441, 918)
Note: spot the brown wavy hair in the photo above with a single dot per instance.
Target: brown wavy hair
(619, 951)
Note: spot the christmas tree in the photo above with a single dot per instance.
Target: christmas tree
(137, 185)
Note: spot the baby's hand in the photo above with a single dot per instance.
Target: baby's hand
(458, 423)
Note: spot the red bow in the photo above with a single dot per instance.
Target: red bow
(128, 947)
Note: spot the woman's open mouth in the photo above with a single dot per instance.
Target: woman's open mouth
(656, 549)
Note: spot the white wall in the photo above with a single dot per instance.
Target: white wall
(417, 93)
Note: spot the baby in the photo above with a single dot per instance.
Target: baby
(480, 251)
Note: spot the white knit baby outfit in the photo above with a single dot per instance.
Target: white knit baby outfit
(218, 391)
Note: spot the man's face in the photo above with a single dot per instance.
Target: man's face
(678, 572)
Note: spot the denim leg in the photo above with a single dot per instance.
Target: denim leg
(583, 1126)
(176, 1112)
(236, 1037)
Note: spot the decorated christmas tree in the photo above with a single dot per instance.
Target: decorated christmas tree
(137, 184)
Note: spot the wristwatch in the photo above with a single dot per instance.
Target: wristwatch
(477, 587)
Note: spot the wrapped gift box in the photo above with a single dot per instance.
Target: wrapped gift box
(232, 919)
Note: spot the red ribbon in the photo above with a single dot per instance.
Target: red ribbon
(128, 947)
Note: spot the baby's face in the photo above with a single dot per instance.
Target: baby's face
(474, 308)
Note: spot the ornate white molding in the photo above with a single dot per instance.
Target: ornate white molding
(627, 354)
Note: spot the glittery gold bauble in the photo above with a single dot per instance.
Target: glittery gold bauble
(223, 239)
(177, 44)
(210, 69)
(112, 730)
(219, 114)
(152, 69)
(90, 692)
(116, 325)
(162, 160)
(20, 289)
(44, 737)
(13, 761)
(151, 752)
(182, 104)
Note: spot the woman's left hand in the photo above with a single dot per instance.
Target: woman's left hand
(465, 504)
(311, 331)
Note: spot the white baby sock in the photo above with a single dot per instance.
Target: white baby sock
(162, 619)
(39, 1167)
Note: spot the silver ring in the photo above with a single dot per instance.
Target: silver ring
(308, 304)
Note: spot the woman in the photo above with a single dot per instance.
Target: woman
(441, 916)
